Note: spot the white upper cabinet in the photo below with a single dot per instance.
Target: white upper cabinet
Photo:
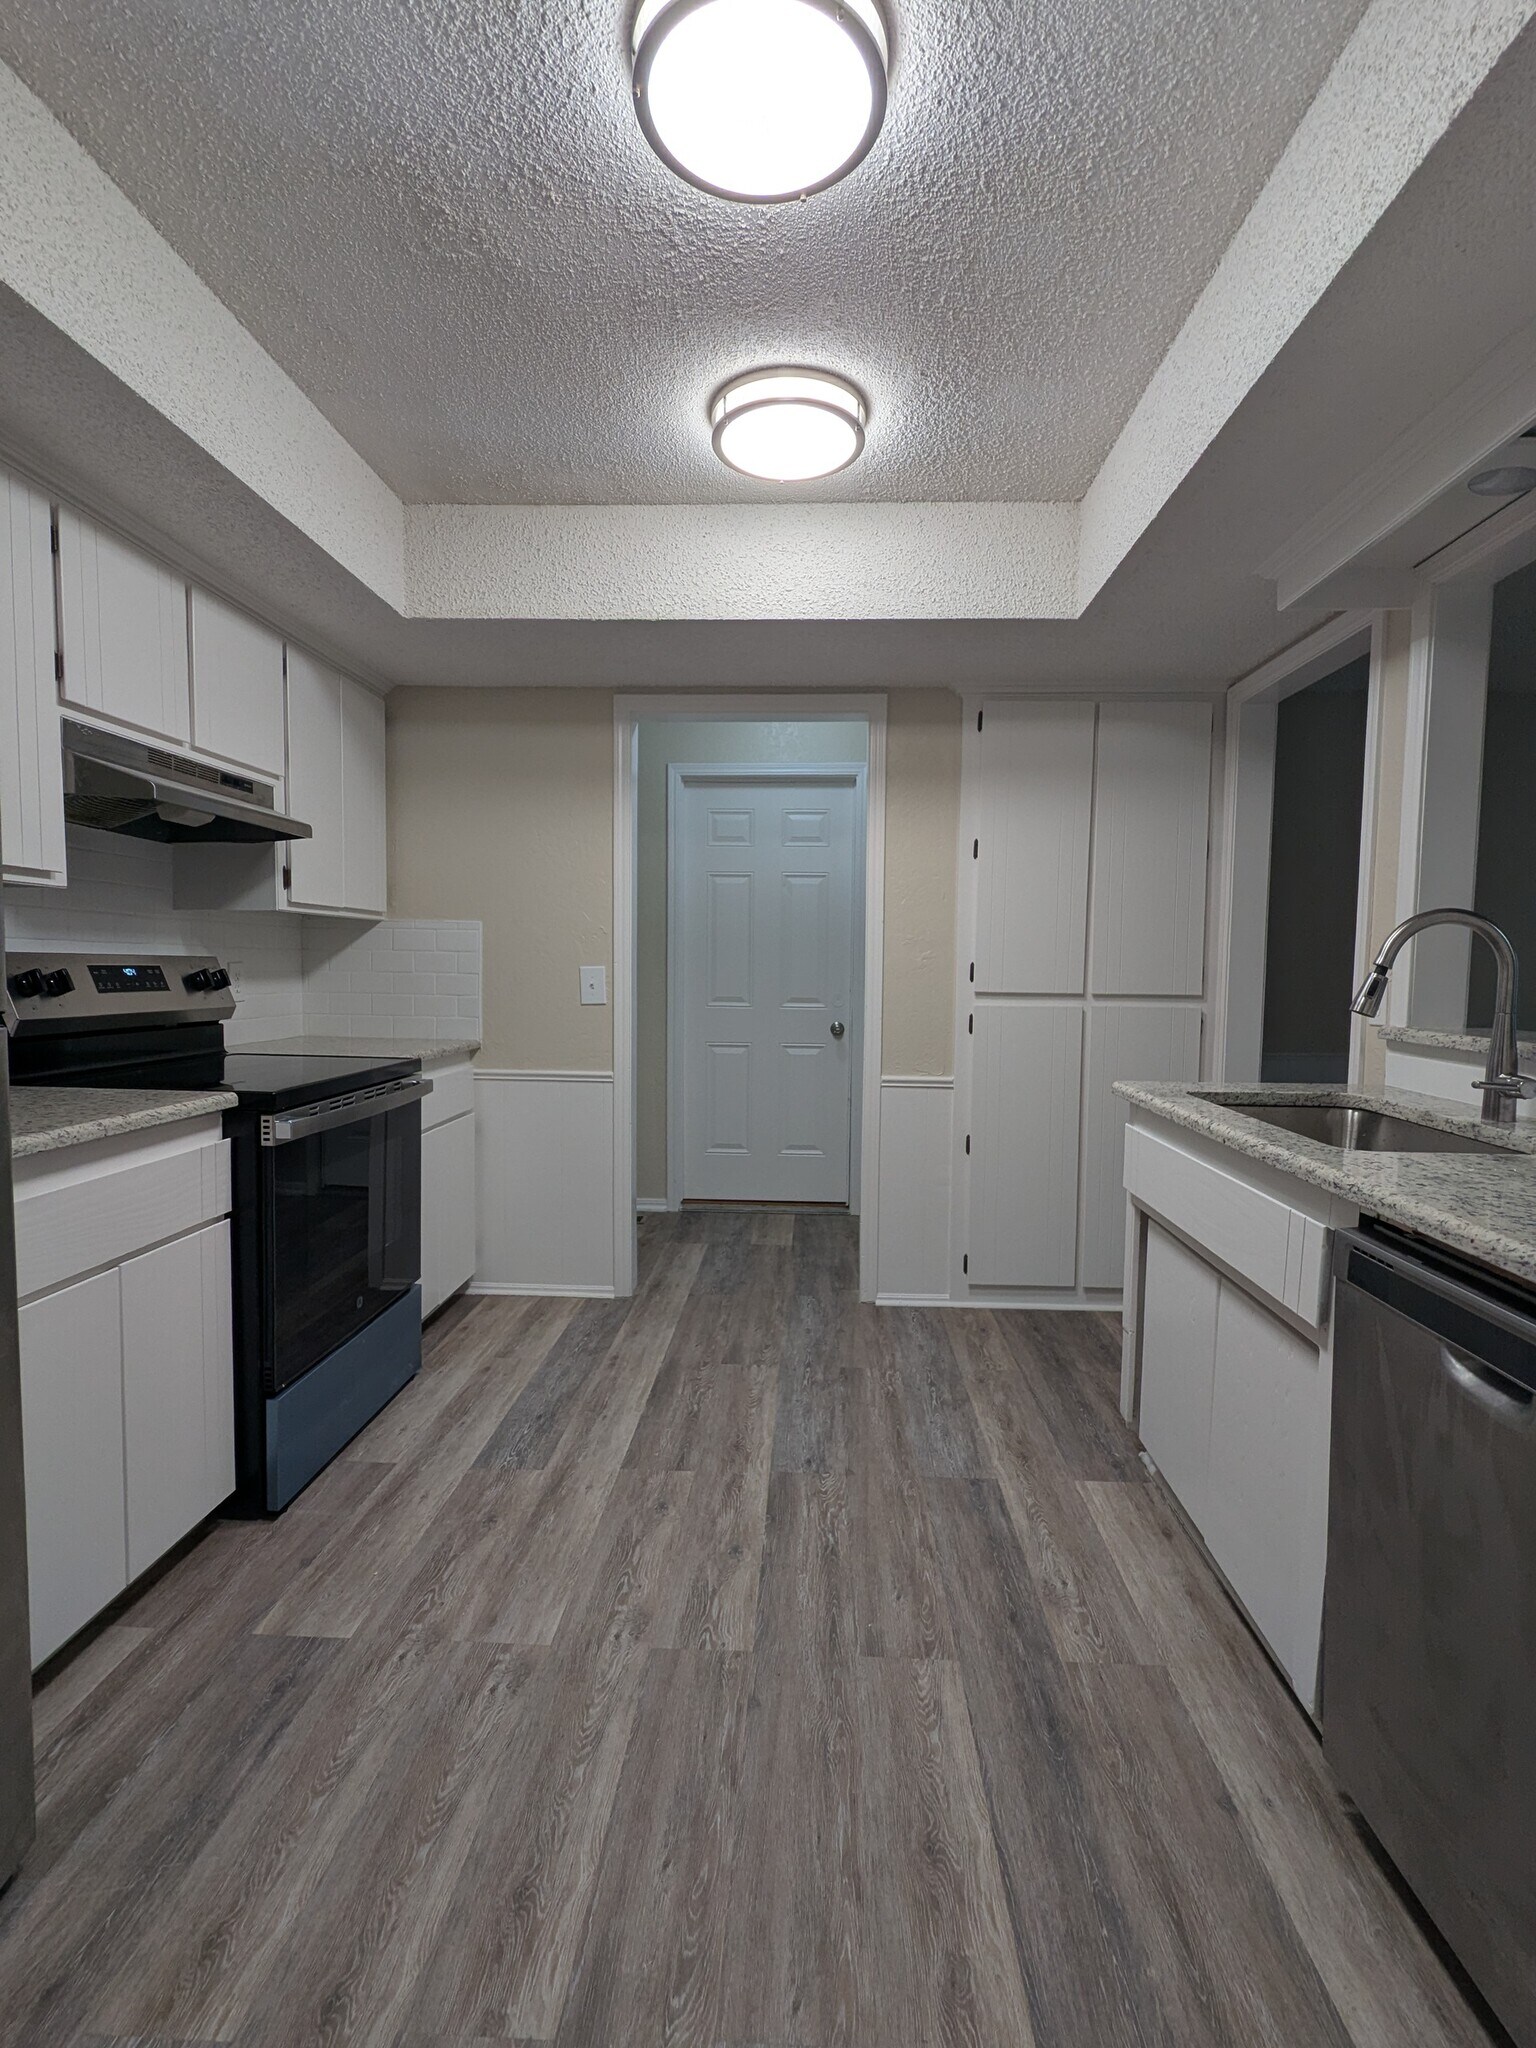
(316, 867)
(362, 762)
(123, 633)
(31, 772)
(1151, 816)
(336, 785)
(1035, 804)
(237, 687)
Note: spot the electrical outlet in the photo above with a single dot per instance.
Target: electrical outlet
(594, 984)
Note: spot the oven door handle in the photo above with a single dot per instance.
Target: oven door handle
(329, 1116)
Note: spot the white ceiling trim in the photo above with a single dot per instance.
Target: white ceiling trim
(740, 561)
(75, 249)
(1401, 79)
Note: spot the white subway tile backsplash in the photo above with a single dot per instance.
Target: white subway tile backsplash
(415, 979)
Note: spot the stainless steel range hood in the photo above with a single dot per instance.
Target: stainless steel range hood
(117, 784)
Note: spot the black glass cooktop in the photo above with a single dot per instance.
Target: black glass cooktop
(265, 1082)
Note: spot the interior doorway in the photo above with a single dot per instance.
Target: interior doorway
(817, 767)
(765, 948)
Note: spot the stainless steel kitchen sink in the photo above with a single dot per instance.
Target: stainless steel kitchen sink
(1364, 1130)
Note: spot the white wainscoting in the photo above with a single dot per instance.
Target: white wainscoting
(545, 1147)
(912, 1256)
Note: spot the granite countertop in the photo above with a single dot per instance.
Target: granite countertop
(49, 1119)
(432, 1052)
(1447, 1041)
(1483, 1207)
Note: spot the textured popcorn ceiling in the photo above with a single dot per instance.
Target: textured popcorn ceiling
(441, 219)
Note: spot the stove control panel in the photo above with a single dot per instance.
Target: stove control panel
(84, 991)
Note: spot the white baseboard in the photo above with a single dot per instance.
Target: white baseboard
(520, 1287)
(1057, 1303)
(651, 1205)
(913, 1301)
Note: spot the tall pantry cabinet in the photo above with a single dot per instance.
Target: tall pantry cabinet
(1084, 902)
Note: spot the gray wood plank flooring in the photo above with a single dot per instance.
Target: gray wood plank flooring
(734, 1667)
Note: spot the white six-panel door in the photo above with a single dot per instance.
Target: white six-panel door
(763, 947)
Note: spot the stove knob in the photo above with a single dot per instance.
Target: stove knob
(218, 977)
(199, 979)
(22, 986)
(60, 983)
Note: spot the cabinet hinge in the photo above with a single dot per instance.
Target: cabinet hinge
(965, 1263)
(973, 973)
(967, 1144)
(979, 716)
(975, 849)
(287, 876)
(53, 536)
(58, 664)
(970, 1025)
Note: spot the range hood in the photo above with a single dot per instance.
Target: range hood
(115, 784)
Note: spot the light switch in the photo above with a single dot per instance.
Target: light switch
(594, 984)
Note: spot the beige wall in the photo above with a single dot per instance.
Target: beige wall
(922, 821)
(692, 739)
(501, 808)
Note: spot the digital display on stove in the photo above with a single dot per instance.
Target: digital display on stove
(147, 979)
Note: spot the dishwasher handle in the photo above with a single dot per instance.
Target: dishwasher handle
(1504, 1399)
(1491, 1340)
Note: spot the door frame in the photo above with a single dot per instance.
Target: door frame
(679, 774)
(1247, 815)
(630, 709)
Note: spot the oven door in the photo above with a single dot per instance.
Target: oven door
(341, 1222)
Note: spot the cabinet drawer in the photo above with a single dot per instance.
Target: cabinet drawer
(1280, 1250)
(98, 1222)
(453, 1094)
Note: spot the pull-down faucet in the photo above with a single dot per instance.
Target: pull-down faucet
(1503, 1084)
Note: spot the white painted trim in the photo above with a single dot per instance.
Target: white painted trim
(913, 1301)
(1247, 805)
(1492, 406)
(679, 775)
(917, 1080)
(540, 1073)
(507, 1287)
(629, 708)
(652, 1205)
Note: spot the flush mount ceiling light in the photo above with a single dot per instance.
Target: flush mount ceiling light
(1503, 483)
(760, 99)
(788, 426)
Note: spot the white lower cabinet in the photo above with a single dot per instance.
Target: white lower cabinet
(447, 1186)
(1235, 1414)
(72, 1450)
(178, 1390)
(127, 1378)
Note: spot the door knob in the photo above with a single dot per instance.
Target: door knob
(837, 1030)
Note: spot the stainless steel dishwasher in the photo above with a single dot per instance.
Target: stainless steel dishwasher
(1429, 1625)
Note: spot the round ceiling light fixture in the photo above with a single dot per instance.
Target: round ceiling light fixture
(1503, 483)
(788, 426)
(760, 100)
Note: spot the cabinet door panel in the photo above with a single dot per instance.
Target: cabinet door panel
(447, 1210)
(1151, 820)
(31, 772)
(72, 1449)
(123, 630)
(237, 687)
(1036, 802)
(1178, 1365)
(178, 1381)
(363, 798)
(1024, 1128)
(1126, 1042)
(1266, 1518)
(315, 782)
